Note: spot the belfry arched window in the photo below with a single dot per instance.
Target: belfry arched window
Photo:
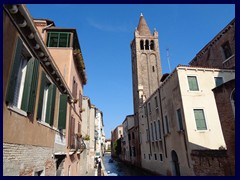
(152, 45)
(147, 45)
(141, 45)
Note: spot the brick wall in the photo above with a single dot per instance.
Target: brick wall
(23, 160)
(210, 162)
(225, 110)
(212, 54)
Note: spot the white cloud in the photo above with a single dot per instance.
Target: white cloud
(107, 27)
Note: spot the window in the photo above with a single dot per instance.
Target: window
(62, 111)
(21, 92)
(155, 156)
(133, 135)
(153, 69)
(161, 157)
(226, 50)
(155, 128)
(141, 45)
(159, 129)
(192, 82)
(156, 102)
(200, 119)
(149, 156)
(46, 102)
(152, 132)
(134, 151)
(149, 107)
(179, 118)
(72, 133)
(58, 39)
(147, 45)
(129, 136)
(218, 81)
(74, 87)
(152, 45)
(166, 129)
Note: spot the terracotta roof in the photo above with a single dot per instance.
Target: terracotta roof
(143, 27)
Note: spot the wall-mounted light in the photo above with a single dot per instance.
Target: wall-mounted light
(47, 63)
(41, 54)
(23, 24)
(14, 9)
(31, 36)
(37, 46)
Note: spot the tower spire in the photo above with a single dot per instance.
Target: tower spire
(143, 28)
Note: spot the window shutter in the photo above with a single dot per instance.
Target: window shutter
(51, 104)
(40, 99)
(62, 112)
(30, 86)
(13, 73)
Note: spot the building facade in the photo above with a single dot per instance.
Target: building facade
(35, 98)
(116, 136)
(180, 118)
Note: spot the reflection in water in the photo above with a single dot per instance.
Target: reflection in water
(120, 168)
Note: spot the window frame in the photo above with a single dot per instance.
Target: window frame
(178, 122)
(217, 77)
(59, 33)
(205, 119)
(197, 83)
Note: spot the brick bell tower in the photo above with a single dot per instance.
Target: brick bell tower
(146, 63)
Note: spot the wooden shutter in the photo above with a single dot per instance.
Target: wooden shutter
(13, 72)
(50, 104)
(80, 101)
(72, 129)
(30, 86)
(40, 99)
(62, 112)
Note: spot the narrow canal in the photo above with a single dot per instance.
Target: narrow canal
(121, 169)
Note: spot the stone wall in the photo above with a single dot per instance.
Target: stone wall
(25, 160)
(210, 162)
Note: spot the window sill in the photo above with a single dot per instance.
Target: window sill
(47, 125)
(202, 131)
(18, 111)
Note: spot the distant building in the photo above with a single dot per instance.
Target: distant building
(116, 136)
(107, 145)
(128, 146)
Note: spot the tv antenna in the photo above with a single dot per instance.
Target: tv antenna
(168, 58)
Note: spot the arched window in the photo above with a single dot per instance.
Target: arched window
(141, 45)
(147, 45)
(152, 45)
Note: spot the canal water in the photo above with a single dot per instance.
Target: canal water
(121, 169)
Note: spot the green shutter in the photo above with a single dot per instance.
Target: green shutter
(40, 99)
(30, 85)
(50, 104)
(62, 112)
(14, 72)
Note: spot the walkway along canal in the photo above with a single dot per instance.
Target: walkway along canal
(122, 169)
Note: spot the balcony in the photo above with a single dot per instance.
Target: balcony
(78, 145)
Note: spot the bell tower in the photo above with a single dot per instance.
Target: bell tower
(146, 63)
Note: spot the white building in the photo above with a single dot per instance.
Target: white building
(181, 116)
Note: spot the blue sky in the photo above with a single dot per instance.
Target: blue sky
(105, 32)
